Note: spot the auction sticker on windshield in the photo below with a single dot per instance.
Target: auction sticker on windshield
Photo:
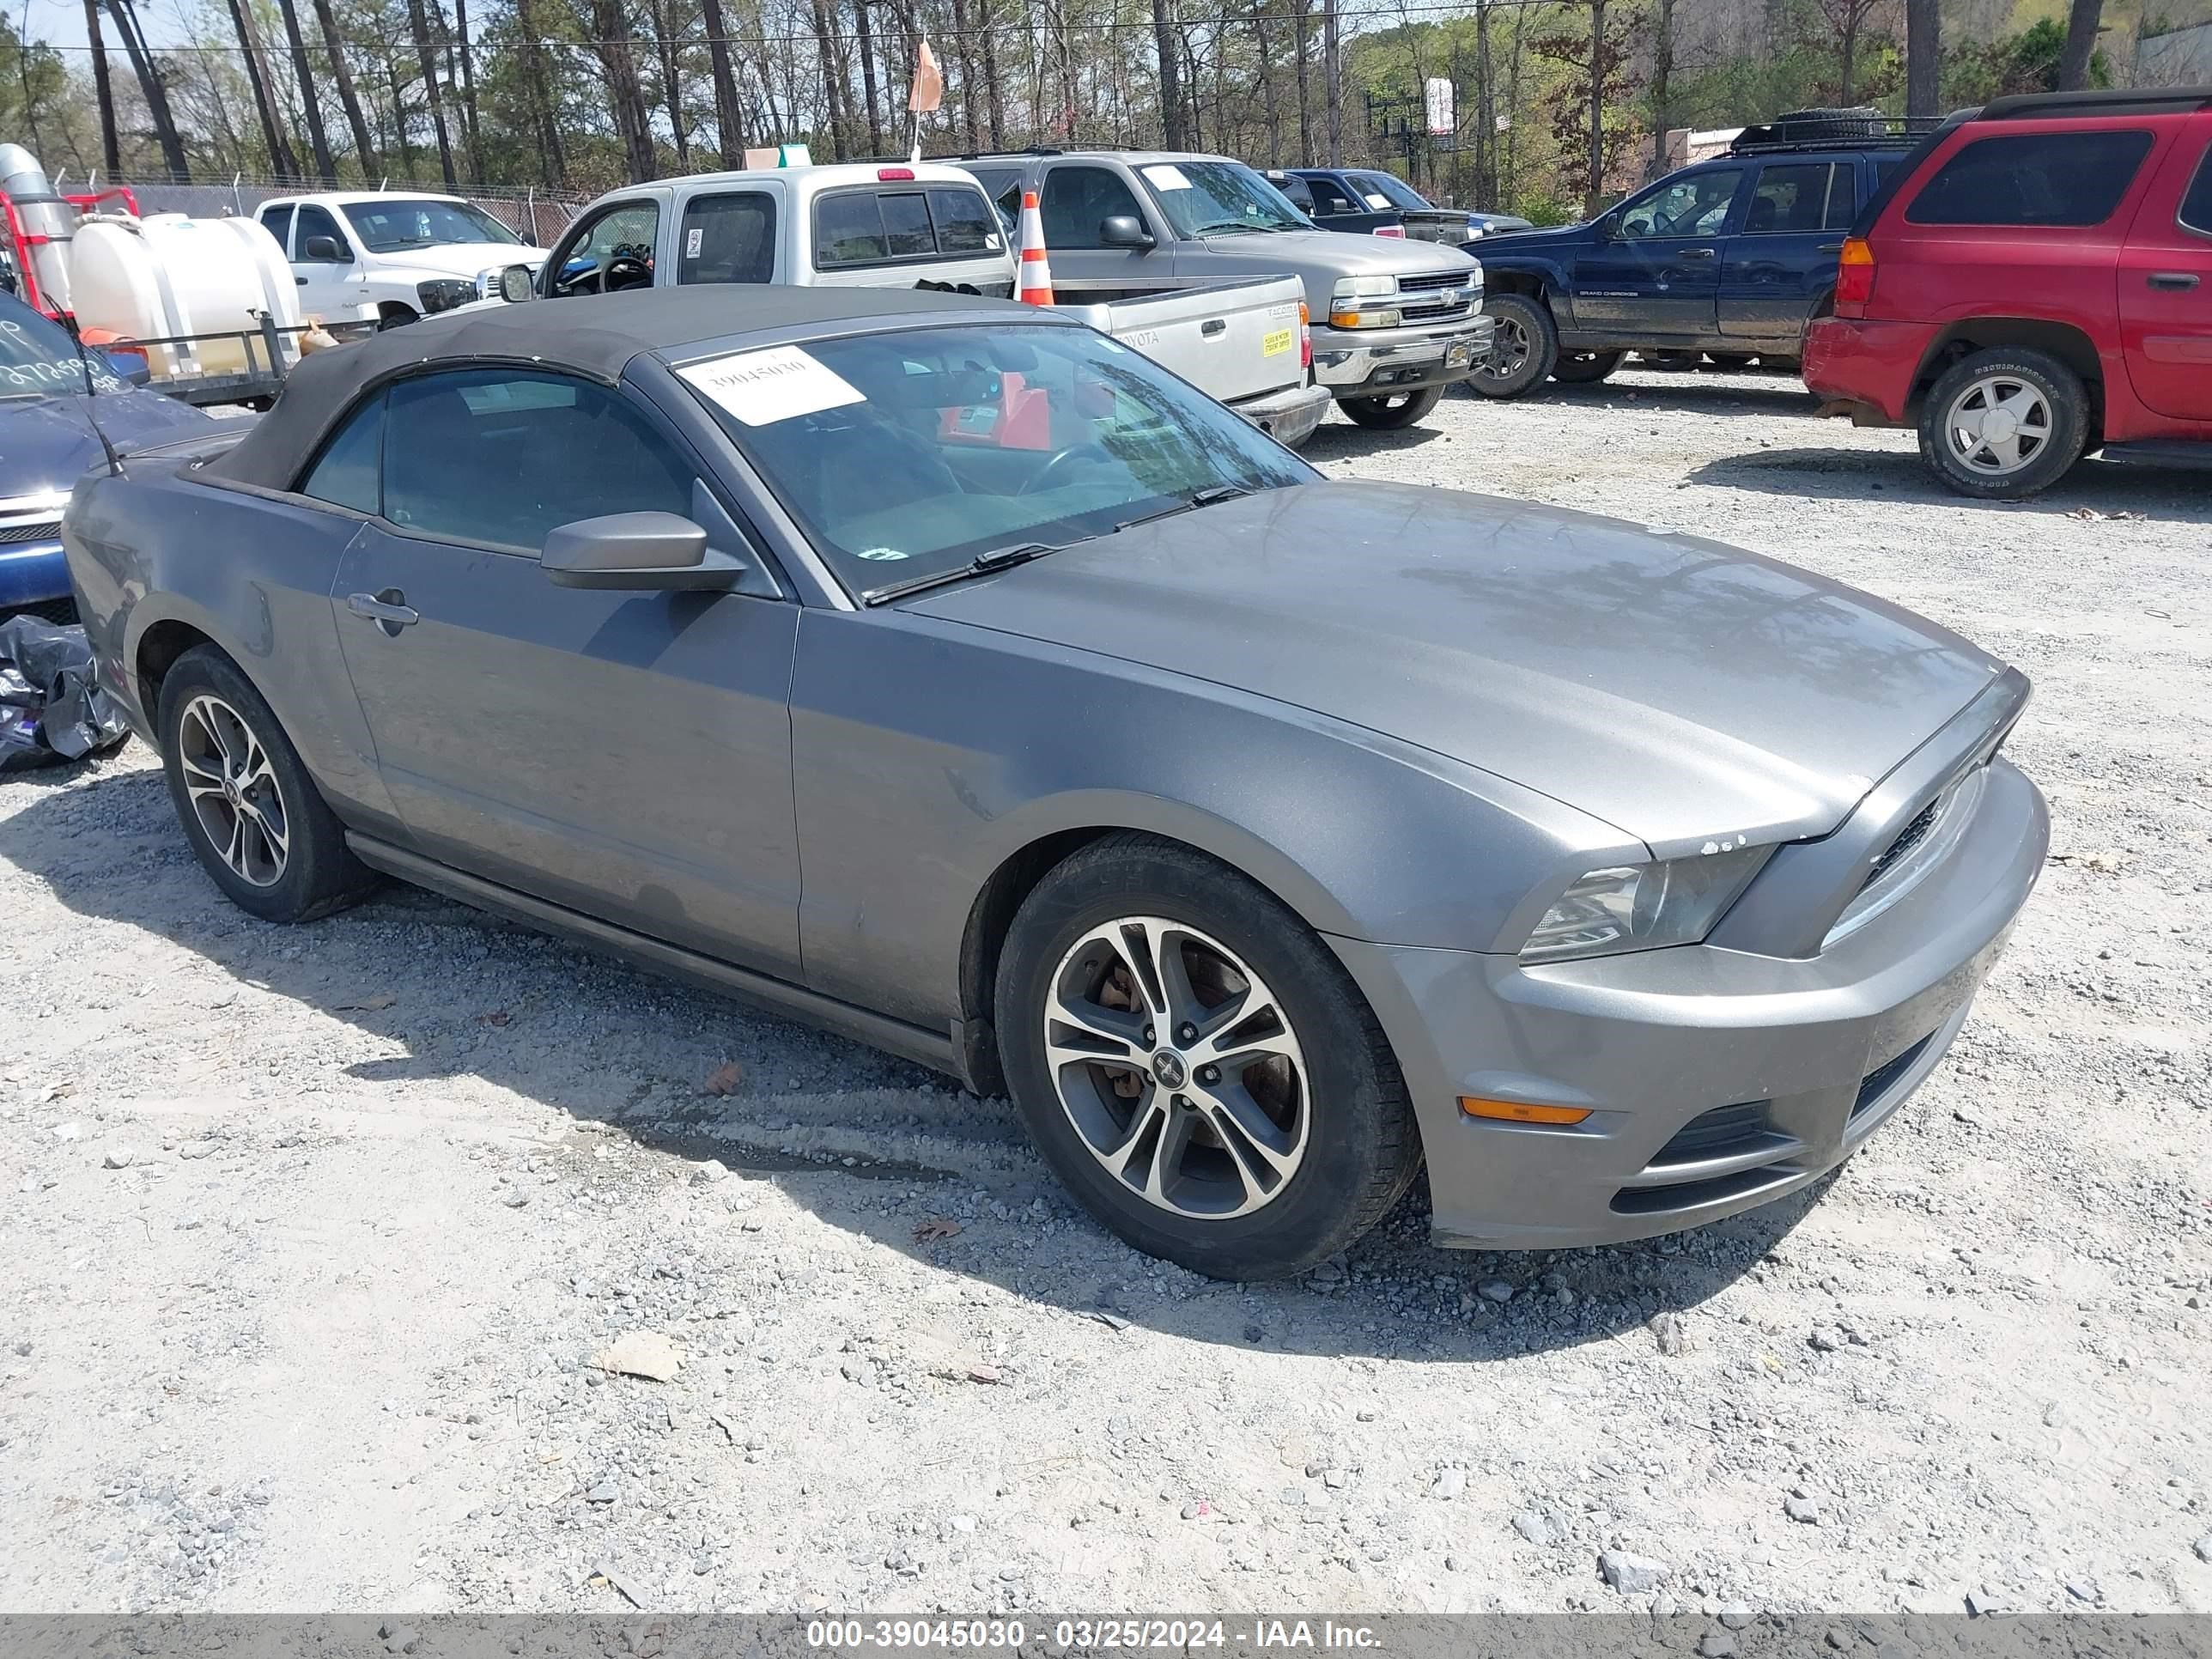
(1165, 176)
(778, 384)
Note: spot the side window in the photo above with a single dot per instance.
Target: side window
(1694, 205)
(727, 238)
(848, 229)
(345, 474)
(278, 222)
(2074, 179)
(964, 222)
(1329, 197)
(502, 456)
(1076, 199)
(314, 221)
(1300, 192)
(609, 253)
(1797, 197)
(907, 233)
(2196, 205)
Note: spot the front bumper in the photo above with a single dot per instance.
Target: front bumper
(32, 572)
(1863, 368)
(1379, 362)
(1791, 1063)
(1288, 416)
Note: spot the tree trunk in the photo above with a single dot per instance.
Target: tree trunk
(833, 80)
(672, 82)
(1304, 23)
(537, 88)
(1485, 122)
(419, 25)
(963, 58)
(1163, 42)
(364, 148)
(311, 103)
(281, 161)
(729, 115)
(2081, 23)
(1851, 56)
(632, 120)
(1924, 58)
(1270, 100)
(111, 154)
(995, 89)
(468, 87)
(399, 120)
(155, 89)
(1598, 108)
(1662, 71)
(865, 32)
(1331, 52)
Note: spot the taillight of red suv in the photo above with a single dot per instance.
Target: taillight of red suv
(1854, 278)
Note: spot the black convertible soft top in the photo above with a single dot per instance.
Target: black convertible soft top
(593, 335)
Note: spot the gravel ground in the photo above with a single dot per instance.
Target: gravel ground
(314, 1234)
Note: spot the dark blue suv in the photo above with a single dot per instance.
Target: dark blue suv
(1729, 258)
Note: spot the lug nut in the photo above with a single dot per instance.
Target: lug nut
(1186, 1032)
(1149, 1038)
(1209, 1074)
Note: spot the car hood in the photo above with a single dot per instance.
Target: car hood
(464, 259)
(48, 443)
(1680, 689)
(1328, 250)
(1502, 242)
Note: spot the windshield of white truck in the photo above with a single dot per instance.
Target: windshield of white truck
(1216, 198)
(386, 227)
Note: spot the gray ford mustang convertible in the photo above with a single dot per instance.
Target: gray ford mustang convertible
(942, 672)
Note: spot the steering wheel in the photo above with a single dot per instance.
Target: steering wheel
(625, 270)
(1092, 453)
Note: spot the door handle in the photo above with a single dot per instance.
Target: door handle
(1212, 327)
(1830, 247)
(300, 281)
(2171, 279)
(388, 609)
(1696, 253)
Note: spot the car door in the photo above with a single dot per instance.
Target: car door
(2165, 285)
(332, 283)
(624, 754)
(1078, 197)
(1336, 207)
(1652, 269)
(1782, 256)
(610, 251)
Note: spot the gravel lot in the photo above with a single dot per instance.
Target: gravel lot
(313, 1233)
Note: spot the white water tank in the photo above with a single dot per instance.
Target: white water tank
(170, 275)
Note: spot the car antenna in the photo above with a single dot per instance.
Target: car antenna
(84, 363)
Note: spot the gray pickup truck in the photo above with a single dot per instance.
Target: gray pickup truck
(1393, 323)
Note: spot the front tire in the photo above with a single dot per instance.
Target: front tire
(1391, 412)
(1196, 1067)
(1524, 347)
(2005, 423)
(1585, 367)
(257, 823)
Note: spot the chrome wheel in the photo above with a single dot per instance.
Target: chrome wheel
(1999, 424)
(1177, 1067)
(1510, 350)
(233, 790)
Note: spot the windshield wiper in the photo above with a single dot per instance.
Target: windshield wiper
(1227, 224)
(999, 558)
(1190, 503)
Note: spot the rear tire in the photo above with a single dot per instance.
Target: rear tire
(2005, 423)
(1585, 367)
(256, 822)
(1137, 1145)
(1523, 350)
(1391, 412)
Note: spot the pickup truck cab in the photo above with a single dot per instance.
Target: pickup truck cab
(1731, 257)
(1369, 202)
(1393, 322)
(376, 256)
(2035, 285)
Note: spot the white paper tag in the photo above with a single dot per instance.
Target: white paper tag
(1165, 177)
(1380, 203)
(762, 387)
(692, 238)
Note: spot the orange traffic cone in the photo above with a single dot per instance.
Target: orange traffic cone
(1036, 286)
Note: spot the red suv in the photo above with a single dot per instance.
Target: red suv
(2034, 283)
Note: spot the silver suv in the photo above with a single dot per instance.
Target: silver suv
(1393, 323)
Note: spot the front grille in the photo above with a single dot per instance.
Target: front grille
(37, 530)
(1879, 1082)
(62, 613)
(1908, 838)
(1430, 282)
(1716, 1134)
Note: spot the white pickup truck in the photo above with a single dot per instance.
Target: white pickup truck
(370, 255)
(925, 226)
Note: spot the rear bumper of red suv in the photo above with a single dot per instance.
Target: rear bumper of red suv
(1866, 365)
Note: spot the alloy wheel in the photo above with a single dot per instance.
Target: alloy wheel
(1178, 1067)
(1999, 424)
(1510, 347)
(234, 791)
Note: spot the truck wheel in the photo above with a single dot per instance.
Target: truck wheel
(1585, 367)
(1391, 412)
(1521, 351)
(2005, 423)
(1196, 1066)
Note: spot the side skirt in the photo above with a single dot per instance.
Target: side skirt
(915, 1042)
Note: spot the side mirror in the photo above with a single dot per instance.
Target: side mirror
(326, 249)
(1124, 230)
(515, 286)
(130, 367)
(647, 551)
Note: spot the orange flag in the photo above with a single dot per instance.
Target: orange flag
(928, 81)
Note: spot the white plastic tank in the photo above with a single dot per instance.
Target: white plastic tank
(170, 275)
(43, 215)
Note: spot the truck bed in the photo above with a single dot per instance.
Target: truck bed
(1235, 340)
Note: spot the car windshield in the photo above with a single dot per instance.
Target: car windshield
(407, 221)
(973, 440)
(1209, 198)
(1391, 188)
(38, 359)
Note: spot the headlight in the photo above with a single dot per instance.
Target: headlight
(443, 293)
(1642, 906)
(1363, 288)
